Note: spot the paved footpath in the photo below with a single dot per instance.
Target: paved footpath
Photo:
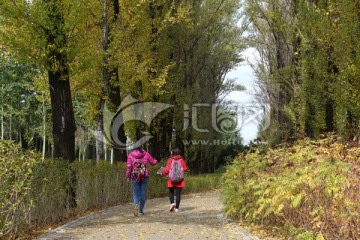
(200, 217)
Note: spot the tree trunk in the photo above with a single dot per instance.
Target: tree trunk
(2, 126)
(63, 120)
(62, 117)
(44, 132)
(110, 85)
(329, 115)
(61, 102)
(119, 155)
(100, 150)
(63, 125)
(2, 112)
(154, 145)
(115, 98)
(10, 126)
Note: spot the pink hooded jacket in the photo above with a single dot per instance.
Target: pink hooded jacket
(136, 154)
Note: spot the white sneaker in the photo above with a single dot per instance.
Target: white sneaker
(177, 210)
(136, 210)
(172, 207)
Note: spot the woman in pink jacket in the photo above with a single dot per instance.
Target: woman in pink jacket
(178, 186)
(139, 184)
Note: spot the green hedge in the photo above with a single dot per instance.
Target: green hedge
(16, 178)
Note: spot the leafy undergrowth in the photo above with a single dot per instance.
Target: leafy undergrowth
(309, 190)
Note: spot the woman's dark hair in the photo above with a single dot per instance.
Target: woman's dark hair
(140, 148)
(175, 151)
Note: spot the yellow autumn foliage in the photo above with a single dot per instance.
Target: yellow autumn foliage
(309, 189)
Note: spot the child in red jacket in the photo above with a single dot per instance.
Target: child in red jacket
(174, 186)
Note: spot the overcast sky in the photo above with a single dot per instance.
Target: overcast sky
(244, 75)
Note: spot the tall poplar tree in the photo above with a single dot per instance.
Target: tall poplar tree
(308, 65)
(64, 126)
(207, 48)
(110, 79)
(48, 49)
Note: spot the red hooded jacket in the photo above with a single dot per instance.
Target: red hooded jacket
(167, 170)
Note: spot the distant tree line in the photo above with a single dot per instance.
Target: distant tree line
(308, 69)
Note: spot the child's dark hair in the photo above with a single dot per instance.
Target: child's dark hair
(175, 151)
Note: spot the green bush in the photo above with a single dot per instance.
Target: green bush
(49, 191)
(100, 184)
(16, 176)
(203, 182)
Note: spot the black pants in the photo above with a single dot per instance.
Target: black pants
(178, 196)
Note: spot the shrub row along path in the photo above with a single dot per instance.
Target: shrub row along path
(200, 217)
